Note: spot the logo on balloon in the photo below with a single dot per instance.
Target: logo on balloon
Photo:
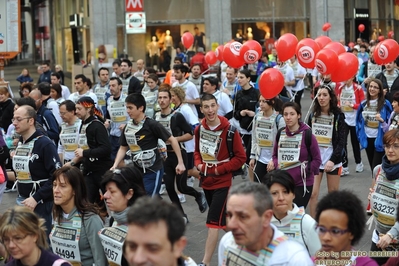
(251, 56)
(235, 48)
(306, 54)
(383, 52)
(321, 67)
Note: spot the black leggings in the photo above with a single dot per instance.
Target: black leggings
(260, 171)
(247, 139)
(181, 180)
(300, 199)
(374, 157)
(355, 146)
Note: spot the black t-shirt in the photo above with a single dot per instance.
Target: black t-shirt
(147, 138)
(178, 125)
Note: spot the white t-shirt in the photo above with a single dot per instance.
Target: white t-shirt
(298, 71)
(287, 253)
(288, 74)
(52, 105)
(74, 97)
(191, 92)
(65, 92)
(192, 119)
(225, 105)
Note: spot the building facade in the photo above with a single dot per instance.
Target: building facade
(93, 31)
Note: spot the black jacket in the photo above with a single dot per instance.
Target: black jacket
(245, 99)
(394, 88)
(6, 113)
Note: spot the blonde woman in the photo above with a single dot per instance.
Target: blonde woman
(23, 235)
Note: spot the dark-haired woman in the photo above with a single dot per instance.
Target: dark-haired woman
(244, 109)
(328, 125)
(266, 124)
(340, 225)
(393, 121)
(384, 194)
(371, 119)
(56, 93)
(121, 188)
(297, 151)
(94, 151)
(74, 236)
(287, 216)
(371, 123)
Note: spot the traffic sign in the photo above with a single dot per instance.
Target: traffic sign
(135, 22)
(10, 29)
(134, 5)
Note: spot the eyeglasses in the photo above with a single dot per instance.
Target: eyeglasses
(16, 240)
(19, 119)
(394, 146)
(63, 113)
(335, 232)
(119, 172)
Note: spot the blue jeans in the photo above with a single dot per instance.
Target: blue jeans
(152, 182)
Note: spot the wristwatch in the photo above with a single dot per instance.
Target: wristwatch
(73, 163)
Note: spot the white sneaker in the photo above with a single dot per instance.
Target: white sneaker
(359, 167)
(190, 181)
(345, 171)
(182, 198)
(162, 190)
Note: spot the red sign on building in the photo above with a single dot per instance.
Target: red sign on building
(134, 5)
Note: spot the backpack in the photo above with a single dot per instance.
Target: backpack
(308, 142)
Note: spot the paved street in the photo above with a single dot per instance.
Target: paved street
(196, 231)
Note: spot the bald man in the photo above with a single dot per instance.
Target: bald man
(140, 70)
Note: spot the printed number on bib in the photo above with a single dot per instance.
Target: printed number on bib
(64, 253)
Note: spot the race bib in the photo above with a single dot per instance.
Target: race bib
(289, 149)
(112, 239)
(322, 128)
(209, 143)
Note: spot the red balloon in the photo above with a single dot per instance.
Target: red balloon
(377, 59)
(348, 67)
(337, 47)
(219, 52)
(306, 52)
(210, 58)
(271, 82)
(351, 45)
(387, 51)
(251, 51)
(361, 27)
(285, 46)
(326, 61)
(381, 38)
(187, 39)
(322, 41)
(231, 54)
(390, 34)
(326, 26)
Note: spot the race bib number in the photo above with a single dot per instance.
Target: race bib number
(347, 97)
(118, 112)
(112, 239)
(384, 203)
(264, 133)
(322, 128)
(289, 150)
(20, 163)
(369, 114)
(65, 243)
(209, 145)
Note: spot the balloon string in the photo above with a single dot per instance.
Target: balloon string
(311, 106)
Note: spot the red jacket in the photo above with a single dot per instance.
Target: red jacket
(227, 166)
(359, 94)
(199, 59)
